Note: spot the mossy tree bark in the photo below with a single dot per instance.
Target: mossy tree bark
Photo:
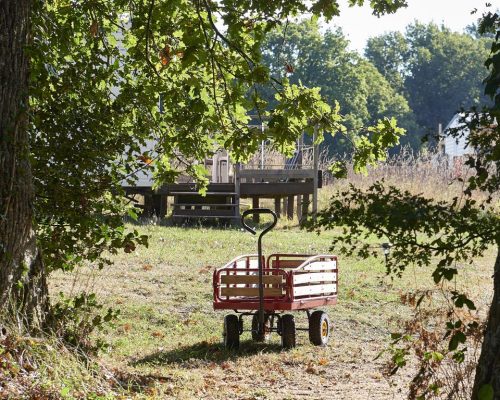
(488, 368)
(23, 286)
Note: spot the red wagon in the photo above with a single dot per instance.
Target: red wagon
(268, 288)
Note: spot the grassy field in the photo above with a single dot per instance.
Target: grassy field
(167, 340)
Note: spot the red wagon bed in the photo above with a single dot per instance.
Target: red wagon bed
(252, 285)
(291, 282)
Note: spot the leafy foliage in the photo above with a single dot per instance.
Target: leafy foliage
(118, 87)
(389, 53)
(444, 342)
(437, 70)
(423, 232)
(75, 319)
(302, 54)
(382, 6)
(479, 130)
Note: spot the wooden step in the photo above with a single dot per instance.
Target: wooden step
(194, 193)
(204, 213)
(204, 205)
(191, 188)
(174, 216)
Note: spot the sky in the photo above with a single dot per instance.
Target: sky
(359, 24)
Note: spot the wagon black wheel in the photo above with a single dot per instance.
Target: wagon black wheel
(267, 328)
(231, 333)
(319, 328)
(288, 333)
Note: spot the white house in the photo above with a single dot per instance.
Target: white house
(456, 146)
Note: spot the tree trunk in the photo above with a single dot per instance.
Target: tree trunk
(23, 286)
(488, 367)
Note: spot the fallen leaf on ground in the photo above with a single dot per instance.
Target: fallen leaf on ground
(225, 365)
(311, 369)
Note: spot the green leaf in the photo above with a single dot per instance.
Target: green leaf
(459, 356)
(338, 169)
(260, 74)
(65, 391)
(456, 339)
(470, 304)
(437, 356)
(132, 214)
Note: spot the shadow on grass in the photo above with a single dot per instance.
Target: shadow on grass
(204, 351)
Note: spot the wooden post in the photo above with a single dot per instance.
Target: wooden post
(285, 202)
(299, 208)
(148, 205)
(315, 178)
(262, 146)
(277, 206)
(305, 206)
(255, 204)
(237, 181)
(159, 205)
(300, 149)
(289, 208)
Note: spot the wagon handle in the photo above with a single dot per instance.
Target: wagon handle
(259, 249)
(259, 211)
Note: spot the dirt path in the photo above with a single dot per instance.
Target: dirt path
(346, 369)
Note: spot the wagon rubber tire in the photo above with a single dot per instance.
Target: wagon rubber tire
(267, 328)
(288, 332)
(231, 333)
(319, 328)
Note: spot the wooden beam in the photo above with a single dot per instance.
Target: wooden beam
(237, 181)
(197, 200)
(159, 205)
(289, 208)
(280, 189)
(212, 205)
(259, 174)
(252, 279)
(197, 212)
(287, 263)
(277, 206)
(321, 266)
(251, 292)
(299, 208)
(315, 177)
(305, 206)
(314, 277)
(255, 204)
(190, 188)
(315, 290)
(148, 205)
(137, 190)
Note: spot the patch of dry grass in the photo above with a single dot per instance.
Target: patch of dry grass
(429, 174)
(167, 341)
(168, 331)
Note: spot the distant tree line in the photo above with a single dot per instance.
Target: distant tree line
(422, 77)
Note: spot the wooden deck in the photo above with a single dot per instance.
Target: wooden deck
(222, 200)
